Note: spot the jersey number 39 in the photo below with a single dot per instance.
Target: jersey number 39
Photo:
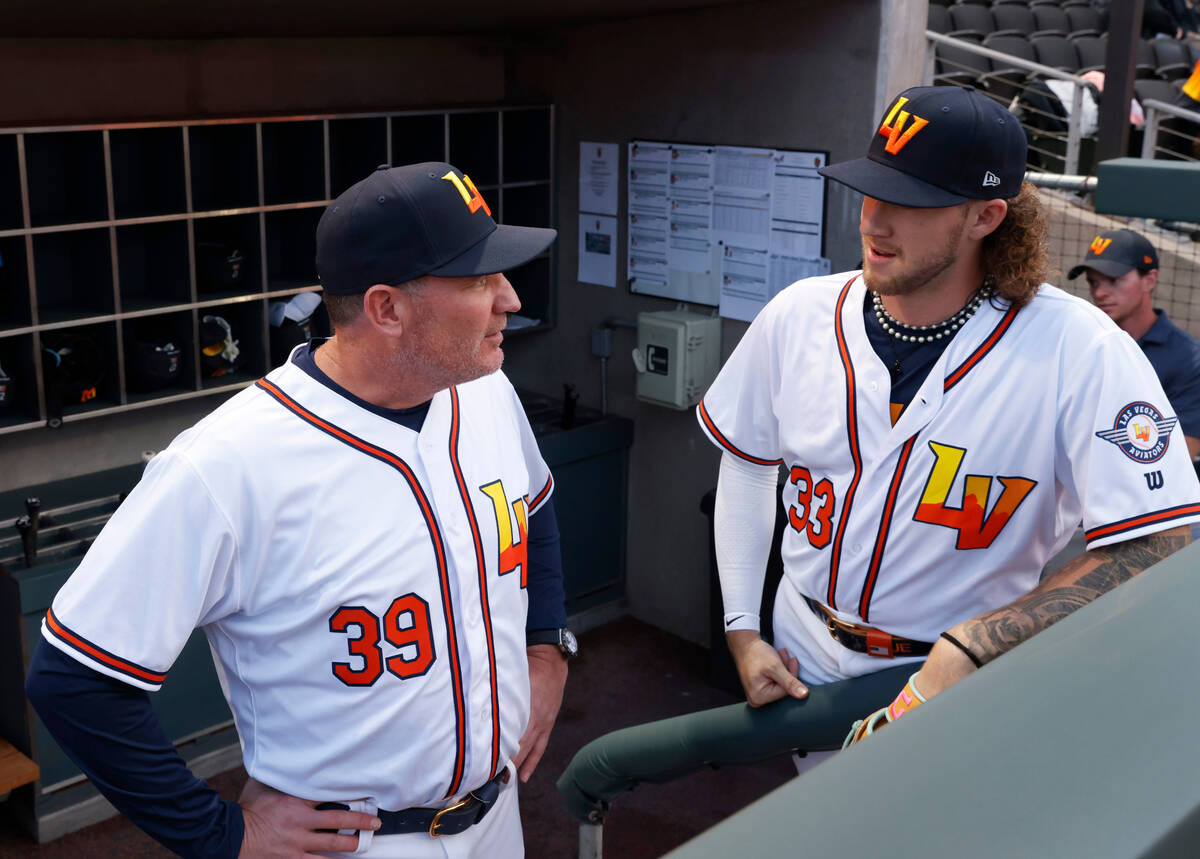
(405, 626)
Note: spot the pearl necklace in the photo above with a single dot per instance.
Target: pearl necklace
(945, 328)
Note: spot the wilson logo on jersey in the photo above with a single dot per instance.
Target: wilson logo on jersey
(1099, 245)
(514, 551)
(893, 127)
(473, 198)
(977, 528)
(1141, 432)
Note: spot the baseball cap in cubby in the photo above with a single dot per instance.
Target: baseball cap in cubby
(401, 223)
(1116, 252)
(939, 146)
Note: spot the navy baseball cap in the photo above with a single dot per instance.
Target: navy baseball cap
(1116, 252)
(939, 146)
(401, 223)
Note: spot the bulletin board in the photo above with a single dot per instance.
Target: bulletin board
(726, 226)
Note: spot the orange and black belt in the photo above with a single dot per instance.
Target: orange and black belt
(867, 639)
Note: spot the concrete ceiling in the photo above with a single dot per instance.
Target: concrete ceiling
(313, 18)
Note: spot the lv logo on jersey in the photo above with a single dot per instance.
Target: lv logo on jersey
(514, 552)
(977, 528)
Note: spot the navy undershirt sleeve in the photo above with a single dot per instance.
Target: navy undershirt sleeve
(544, 583)
(110, 731)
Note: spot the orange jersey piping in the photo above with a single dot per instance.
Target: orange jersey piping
(435, 538)
(835, 553)
(483, 588)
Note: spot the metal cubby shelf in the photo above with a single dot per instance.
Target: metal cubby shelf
(103, 229)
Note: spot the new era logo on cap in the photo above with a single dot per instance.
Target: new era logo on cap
(931, 146)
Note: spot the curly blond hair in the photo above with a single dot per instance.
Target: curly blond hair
(1015, 259)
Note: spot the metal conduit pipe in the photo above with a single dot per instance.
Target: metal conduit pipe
(1061, 181)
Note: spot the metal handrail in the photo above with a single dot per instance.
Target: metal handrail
(1047, 71)
(1153, 108)
(1073, 120)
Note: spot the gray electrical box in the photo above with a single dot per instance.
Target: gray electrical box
(677, 356)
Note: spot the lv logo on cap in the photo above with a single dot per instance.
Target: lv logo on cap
(473, 199)
(896, 134)
(1099, 245)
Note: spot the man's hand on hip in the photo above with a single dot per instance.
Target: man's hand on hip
(547, 677)
(280, 826)
(767, 674)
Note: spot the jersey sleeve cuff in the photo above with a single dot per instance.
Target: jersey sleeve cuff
(718, 438)
(1141, 526)
(534, 502)
(97, 658)
(741, 620)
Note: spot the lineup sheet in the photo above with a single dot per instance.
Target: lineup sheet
(727, 226)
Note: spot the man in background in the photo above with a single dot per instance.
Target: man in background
(1121, 267)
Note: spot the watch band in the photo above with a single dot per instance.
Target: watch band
(543, 636)
(562, 638)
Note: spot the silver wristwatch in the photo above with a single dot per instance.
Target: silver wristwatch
(561, 638)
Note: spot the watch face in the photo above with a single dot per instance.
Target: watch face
(568, 643)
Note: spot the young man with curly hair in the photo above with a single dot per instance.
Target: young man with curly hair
(945, 419)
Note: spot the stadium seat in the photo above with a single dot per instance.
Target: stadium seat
(969, 19)
(959, 67)
(1013, 18)
(1068, 3)
(1033, 3)
(1172, 60)
(996, 3)
(1176, 136)
(1091, 50)
(1058, 52)
(1147, 62)
(1083, 20)
(939, 19)
(1154, 88)
(1050, 20)
(1006, 82)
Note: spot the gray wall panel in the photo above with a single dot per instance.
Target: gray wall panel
(790, 74)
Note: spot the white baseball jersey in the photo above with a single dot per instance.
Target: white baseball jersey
(1030, 422)
(362, 586)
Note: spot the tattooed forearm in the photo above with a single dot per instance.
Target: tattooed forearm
(1078, 583)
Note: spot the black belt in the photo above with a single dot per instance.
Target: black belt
(450, 820)
(867, 639)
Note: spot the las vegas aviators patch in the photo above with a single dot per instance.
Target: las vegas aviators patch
(1141, 432)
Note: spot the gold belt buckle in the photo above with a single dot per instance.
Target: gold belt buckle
(437, 818)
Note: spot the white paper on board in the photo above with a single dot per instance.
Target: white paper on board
(597, 249)
(599, 177)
